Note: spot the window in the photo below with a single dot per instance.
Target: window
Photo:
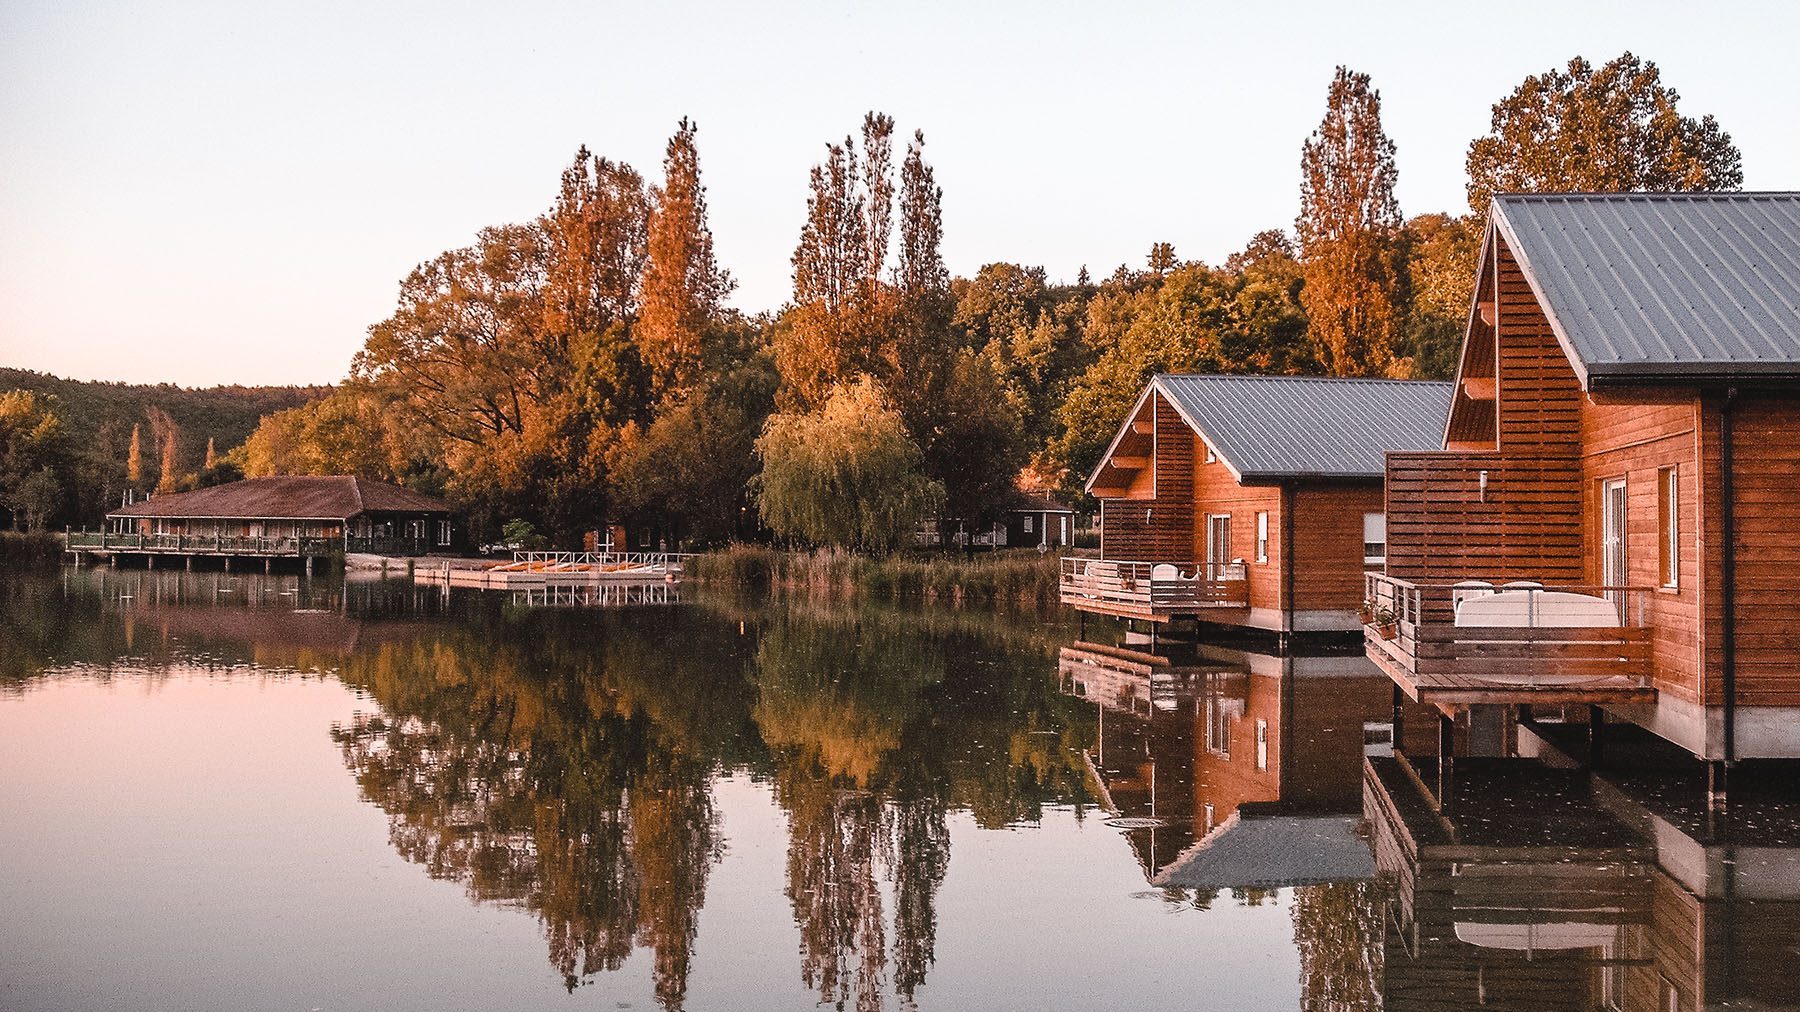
(415, 529)
(443, 532)
(1262, 744)
(1028, 523)
(1668, 525)
(1210, 455)
(1262, 537)
(1374, 539)
(1218, 541)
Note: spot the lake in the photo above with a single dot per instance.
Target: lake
(229, 791)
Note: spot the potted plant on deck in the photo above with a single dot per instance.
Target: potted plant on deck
(1386, 623)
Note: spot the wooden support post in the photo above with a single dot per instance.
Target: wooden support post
(268, 564)
(228, 563)
(1596, 737)
(1446, 776)
(149, 561)
(309, 562)
(190, 563)
(1399, 716)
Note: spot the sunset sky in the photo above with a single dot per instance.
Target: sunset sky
(207, 193)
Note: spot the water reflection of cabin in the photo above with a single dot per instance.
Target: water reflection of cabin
(1539, 888)
(295, 516)
(1611, 516)
(1233, 769)
(1249, 500)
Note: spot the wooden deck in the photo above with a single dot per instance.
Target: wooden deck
(106, 543)
(1437, 661)
(1156, 592)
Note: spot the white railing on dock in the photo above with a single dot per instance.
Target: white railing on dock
(667, 562)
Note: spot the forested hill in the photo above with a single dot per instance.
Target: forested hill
(100, 416)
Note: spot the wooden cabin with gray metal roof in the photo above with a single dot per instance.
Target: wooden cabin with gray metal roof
(1613, 517)
(1252, 501)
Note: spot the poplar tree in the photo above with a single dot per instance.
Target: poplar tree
(683, 286)
(840, 321)
(1349, 230)
(134, 460)
(1607, 129)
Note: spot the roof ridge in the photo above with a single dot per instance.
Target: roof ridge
(356, 491)
(1287, 376)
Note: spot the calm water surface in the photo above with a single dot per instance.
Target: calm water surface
(227, 791)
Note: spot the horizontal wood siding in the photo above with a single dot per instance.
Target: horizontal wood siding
(1528, 525)
(1168, 534)
(1635, 439)
(1443, 529)
(1216, 491)
(1328, 544)
(1766, 498)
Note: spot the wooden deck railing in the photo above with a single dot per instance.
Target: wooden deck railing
(1412, 632)
(1160, 588)
(199, 544)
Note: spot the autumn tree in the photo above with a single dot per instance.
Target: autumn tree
(683, 285)
(1582, 129)
(844, 475)
(166, 434)
(134, 460)
(838, 315)
(1356, 284)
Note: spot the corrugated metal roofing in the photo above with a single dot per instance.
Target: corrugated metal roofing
(305, 497)
(1310, 426)
(1652, 284)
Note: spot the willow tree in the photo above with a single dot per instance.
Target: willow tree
(683, 285)
(845, 475)
(1588, 129)
(1349, 231)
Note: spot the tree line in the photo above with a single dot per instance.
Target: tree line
(584, 366)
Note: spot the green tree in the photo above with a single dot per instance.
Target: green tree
(844, 475)
(38, 461)
(1583, 129)
(1349, 224)
(1441, 252)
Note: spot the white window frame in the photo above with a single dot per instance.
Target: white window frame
(1211, 457)
(1213, 555)
(1370, 522)
(443, 531)
(1028, 529)
(1262, 537)
(1668, 521)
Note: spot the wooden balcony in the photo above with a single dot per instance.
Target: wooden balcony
(1516, 643)
(1151, 590)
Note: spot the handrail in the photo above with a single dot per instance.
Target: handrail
(1424, 642)
(1153, 584)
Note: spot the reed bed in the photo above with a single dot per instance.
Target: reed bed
(20, 552)
(1023, 578)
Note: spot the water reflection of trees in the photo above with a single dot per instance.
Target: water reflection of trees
(568, 769)
(559, 771)
(564, 762)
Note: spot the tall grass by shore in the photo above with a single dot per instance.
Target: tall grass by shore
(20, 552)
(1024, 578)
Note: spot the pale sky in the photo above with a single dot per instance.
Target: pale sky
(231, 192)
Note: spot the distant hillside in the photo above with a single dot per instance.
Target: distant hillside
(101, 414)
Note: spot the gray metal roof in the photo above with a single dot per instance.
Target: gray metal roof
(1310, 426)
(1272, 852)
(1664, 284)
